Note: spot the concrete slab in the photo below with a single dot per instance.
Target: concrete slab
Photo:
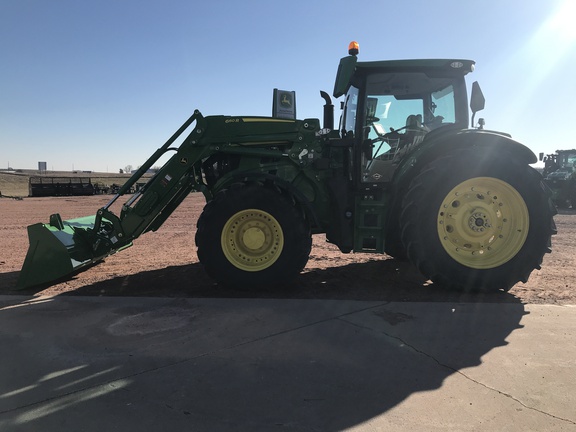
(143, 364)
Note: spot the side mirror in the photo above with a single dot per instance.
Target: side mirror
(477, 100)
(346, 69)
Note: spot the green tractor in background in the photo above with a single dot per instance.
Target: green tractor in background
(402, 174)
(560, 176)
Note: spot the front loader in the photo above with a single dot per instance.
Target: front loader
(402, 174)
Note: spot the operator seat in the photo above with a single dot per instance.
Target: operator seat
(415, 131)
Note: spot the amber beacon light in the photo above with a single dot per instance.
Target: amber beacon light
(353, 48)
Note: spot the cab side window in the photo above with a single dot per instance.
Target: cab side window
(350, 113)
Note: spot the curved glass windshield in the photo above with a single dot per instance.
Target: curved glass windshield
(400, 110)
(394, 98)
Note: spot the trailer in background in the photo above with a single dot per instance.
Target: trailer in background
(60, 186)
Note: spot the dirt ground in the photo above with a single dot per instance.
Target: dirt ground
(164, 263)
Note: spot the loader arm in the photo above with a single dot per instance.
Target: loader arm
(60, 248)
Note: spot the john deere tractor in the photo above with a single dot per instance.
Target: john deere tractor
(403, 173)
(560, 176)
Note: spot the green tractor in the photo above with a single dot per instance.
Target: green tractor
(560, 176)
(402, 174)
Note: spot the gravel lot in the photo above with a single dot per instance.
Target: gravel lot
(164, 263)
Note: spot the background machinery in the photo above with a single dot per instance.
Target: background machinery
(402, 174)
(560, 176)
(60, 186)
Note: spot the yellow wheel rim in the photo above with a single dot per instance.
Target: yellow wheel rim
(483, 223)
(252, 240)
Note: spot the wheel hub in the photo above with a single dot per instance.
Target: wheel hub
(252, 240)
(478, 221)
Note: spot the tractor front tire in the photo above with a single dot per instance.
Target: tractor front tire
(477, 223)
(251, 236)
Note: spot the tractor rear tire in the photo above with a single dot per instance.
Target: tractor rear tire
(477, 223)
(252, 236)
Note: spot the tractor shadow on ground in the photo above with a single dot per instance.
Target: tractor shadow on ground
(360, 370)
(313, 366)
(378, 280)
(8, 282)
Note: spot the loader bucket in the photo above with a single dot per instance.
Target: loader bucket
(61, 248)
(57, 250)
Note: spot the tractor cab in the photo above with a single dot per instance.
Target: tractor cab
(390, 111)
(390, 107)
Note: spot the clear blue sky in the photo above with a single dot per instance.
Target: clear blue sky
(99, 85)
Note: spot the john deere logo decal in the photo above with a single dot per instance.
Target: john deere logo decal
(286, 100)
(284, 104)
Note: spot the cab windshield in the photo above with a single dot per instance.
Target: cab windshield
(399, 110)
(396, 102)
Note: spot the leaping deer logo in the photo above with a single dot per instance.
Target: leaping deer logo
(286, 101)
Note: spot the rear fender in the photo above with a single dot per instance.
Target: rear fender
(440, 143)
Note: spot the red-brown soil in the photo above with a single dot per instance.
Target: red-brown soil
(164, 263)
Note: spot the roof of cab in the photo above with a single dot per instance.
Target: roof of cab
(455, 65)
